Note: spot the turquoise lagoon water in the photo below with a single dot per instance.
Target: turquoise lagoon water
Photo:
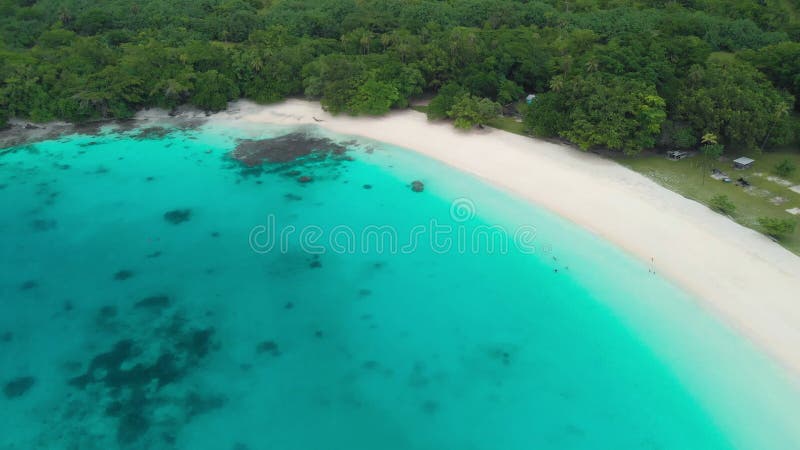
(135, 312)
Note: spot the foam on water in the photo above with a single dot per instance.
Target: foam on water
(135, 312)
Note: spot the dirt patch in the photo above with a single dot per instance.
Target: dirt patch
(778, 200)
(779, 180)
(757, 192)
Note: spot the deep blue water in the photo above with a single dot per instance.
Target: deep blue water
(142, 305)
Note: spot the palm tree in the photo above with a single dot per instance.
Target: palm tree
(565, 63)
(711, 151)
(709, 139)
(557, 83)
(255, 62)
(695, 74)
(780, 110)
(386, 40)
(174, 89)
(364, 39)
(401, 42)
(463, 45)
(96, 100)
(64, 16)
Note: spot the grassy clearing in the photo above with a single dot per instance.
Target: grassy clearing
(420, 108)
(505, 123)
(509, 124)
(688, 179)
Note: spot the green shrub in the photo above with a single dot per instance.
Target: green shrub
(447, 96)
(722, 204)
(777, 228)
(470, 110)
(785, 168)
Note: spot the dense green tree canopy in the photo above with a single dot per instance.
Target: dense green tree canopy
(780, 63)
(732, 99)
(618, 74)
(448, 95)
(601, 110)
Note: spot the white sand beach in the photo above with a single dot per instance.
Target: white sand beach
(750, 281)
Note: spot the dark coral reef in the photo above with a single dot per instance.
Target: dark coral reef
(156, 349)
(284, 149)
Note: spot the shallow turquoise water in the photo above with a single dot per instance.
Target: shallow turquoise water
(137, 332)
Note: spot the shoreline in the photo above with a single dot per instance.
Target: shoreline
(736, 273)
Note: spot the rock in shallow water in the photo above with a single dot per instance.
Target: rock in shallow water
(270, 347)
(43, 224)
(154, 133)
(18, 386)
(123, 275)
(178, 216)
(28, 285)
(293, 197)
(153, 302)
